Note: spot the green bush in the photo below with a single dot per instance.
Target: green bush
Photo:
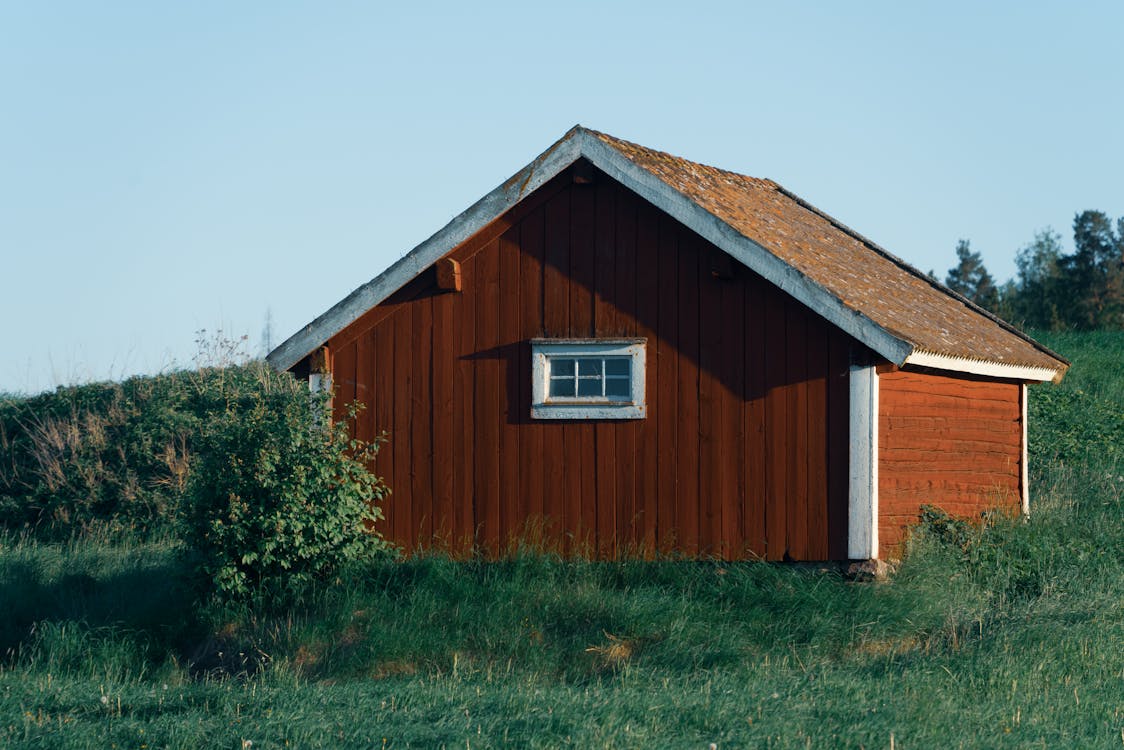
(279, 496)
(99, 454)
(110, 455)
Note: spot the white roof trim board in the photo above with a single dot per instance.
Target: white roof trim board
(477, 216)
(937, 361)
(749, 253)
(578, 143)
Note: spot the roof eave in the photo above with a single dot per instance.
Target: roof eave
(948, 359)
(896, 348)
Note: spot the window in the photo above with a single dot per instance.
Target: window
(587, 379)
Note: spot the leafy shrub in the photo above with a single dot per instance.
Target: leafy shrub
(279, 495)
(114, 453)
(946, 528)
(116, 457)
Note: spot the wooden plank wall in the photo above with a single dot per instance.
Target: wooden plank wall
(744, 448)
(952, 441)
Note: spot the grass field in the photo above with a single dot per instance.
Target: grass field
(1006, 636)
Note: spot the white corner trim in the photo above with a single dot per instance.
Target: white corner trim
(980, 367)
(545, 407)
(862, 518)
(1024, 467)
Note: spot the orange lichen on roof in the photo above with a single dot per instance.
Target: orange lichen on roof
(864, 277)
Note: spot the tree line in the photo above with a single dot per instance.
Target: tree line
(1053, 290)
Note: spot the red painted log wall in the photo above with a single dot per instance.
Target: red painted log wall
(953, 441)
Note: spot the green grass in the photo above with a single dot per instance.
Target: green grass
(1007, 636)
(1097, 358)
(1080, 421)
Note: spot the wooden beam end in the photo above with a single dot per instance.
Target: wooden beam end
(448, 275)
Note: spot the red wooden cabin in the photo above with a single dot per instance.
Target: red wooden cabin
(618, 351)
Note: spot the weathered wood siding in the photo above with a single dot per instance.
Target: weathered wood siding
(744, 448)
(953, 441)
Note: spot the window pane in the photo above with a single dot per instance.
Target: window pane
(617, 367)
(589, 387)
(588, 379)
(617, 387)
(562, 386)
(562, 366)
(589, 367)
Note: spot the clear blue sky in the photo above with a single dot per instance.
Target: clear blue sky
(167, 167)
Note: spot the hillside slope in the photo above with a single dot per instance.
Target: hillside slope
(1006, 635)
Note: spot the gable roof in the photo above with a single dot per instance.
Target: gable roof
(891, 307)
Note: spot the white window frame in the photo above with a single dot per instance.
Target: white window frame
(543, 406)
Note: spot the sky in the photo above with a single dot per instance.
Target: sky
(167, 168)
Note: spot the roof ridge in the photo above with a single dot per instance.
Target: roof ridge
(656, 151)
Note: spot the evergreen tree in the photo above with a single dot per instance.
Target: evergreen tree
(1093, 274)
(1083, 290)
(1008, 300)
(971, 279)
(1038, 296)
